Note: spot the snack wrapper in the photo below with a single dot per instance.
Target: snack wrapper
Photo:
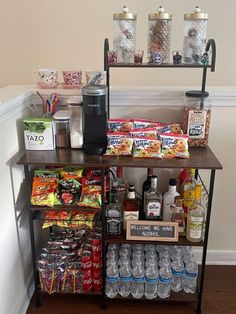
(147, 148)
(174, 128)
(71, 173)
(119, 125)
(143, 124)
(147, 133)
(174, 145)
(91, 192)
(43, 190)
(119, 145)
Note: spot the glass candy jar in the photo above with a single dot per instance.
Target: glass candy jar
(124, 35)
(159, 34)
(195, 32)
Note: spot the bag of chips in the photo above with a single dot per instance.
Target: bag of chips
(91, 195)
(43, 191)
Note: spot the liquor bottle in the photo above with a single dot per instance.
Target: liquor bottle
(168, 199)
(178, 214)
(189, 190)
(195, 218)
(120, 185)
(146, 187)
(130, 207)
(181, 177)
(113, 215)
(153, 201)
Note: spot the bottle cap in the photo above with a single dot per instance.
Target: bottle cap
(197, 14)
(172, 182)
(160, 15)
(131, 187)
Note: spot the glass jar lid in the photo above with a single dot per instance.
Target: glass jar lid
(160, 15)
(124, 15)
(75, 101)
(61, 115)
(197, 14)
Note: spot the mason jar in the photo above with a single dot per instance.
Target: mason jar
(159, 35)
(124, 35)
(195, 33)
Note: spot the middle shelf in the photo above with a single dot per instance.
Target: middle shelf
(122, 239)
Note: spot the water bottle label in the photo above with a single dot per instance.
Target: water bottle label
(138, 279)
(151, 280)
(165, 280)
(112, 279)
(192, 275)
(177, 273)
(125, 279)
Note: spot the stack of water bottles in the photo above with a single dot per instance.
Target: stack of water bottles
(149, 270)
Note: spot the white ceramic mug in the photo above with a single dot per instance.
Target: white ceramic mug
(48, 76)
(95, 77)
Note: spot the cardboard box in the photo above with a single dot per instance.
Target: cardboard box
(39, 133)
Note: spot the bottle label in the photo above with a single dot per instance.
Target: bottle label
(197, 123)
(151, 280)
(191, 275)
(195, 227)
(125, 279)
(164, 280)
(131, 195)
(129, 215)
(138, 279)
(112, 279)
(177, 273)
(113, 226)
(153, 208)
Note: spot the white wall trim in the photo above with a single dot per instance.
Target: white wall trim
(15, 98)
(25, 297)
(216, 257)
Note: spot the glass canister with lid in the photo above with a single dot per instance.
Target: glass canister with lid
(61, 119)
(75, 107)
(195, 33)
(124, 35)
(159, 34)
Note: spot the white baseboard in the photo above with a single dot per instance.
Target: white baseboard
(216, 257)
(24, 300)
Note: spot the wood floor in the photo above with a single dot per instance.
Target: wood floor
(219, 297)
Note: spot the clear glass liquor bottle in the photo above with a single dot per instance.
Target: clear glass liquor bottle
(195, 218)
(153, 201)
(120, 185)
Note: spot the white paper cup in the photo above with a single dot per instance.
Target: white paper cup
(95, 77)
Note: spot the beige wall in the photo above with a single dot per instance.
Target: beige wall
(70, 33)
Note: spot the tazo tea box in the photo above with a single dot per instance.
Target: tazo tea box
(39, 134)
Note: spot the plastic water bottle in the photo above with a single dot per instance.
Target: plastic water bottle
(165, 277)
(112, 280)
(177, 268)
(189, 281)
(137, 289)
(151, 281)
(137, 259)
(125, 279)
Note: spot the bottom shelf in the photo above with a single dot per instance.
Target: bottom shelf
(91, 293)
(174, 297)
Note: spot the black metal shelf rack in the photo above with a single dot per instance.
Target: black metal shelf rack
(211, 45)
(200, 158)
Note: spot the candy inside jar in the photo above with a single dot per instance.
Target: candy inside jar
(195, 32)
(124, 35)
(159, 34)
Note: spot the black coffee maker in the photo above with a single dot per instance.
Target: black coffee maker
(95, 116)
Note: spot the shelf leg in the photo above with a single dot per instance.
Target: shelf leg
(32, 237)
(204, 254)
(103, 298)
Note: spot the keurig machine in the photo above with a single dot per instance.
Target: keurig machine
(95, 116)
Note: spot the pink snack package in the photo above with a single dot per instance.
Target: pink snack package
(119, 125)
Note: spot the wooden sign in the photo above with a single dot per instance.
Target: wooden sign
(152, 230)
